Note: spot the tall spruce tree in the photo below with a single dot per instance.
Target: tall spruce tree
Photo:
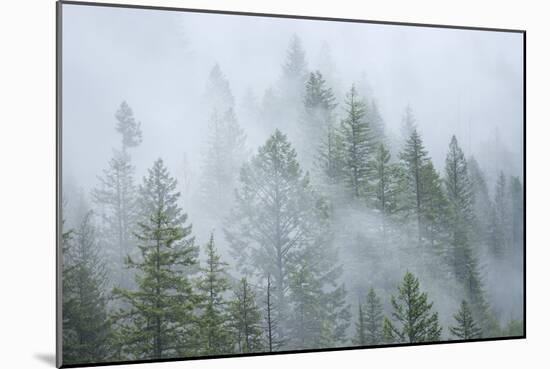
(483, 205)
(218, 96)
(516, 215)
(466, 327)
(246, 319)
(500, 224)
(158, 319)
(385, 180)
(373, 319)
(368, 328)
(408, 124)
(115, 197)
(461, 199)
(414, 159)
(317, 116)
(224, 155)
(215, 329)
(86, 329)
(412, 319)
(357, 145)
(278, 221)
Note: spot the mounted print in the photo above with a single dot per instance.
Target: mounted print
(235, 184)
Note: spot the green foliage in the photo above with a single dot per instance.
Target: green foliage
(412, 319)
(357, 144)
(215, 330)
(466, 327)
(246, 318)
(369, 328)
(158, 319)
(86, 329)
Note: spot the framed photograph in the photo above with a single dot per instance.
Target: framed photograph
(234, 184)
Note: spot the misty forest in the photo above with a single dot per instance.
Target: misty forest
(306, 211)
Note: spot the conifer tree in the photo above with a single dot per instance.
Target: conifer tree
(373, 319)
(384, 179)
(116, 196)
(408, 124)
(483, 206)
(360, 338)
(331, 159)
(466, 328)
(273, 216)
(218, 95)
(501, 222)
(516, 214)
(357, 146)
(224, 155)
(215, 329)
(158, 318)
(414, 160)
(246, 318)
(412, 319)
(86, 329)
(376, 123)
(317, 116)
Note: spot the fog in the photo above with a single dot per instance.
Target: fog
(458, 82)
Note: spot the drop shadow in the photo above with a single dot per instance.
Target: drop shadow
(46, 358)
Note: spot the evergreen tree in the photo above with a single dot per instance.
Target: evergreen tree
(516, 214)
(501, 220)
(225, 154)
(376, 123)
(414, 160)
(483, 206)
(157, 320)
(272, 217)
(360, 338)
(320, 316)
(317, 116)
(116, 196)
(373, 319)
(368, 329)
(384, 177)
(357, 143)
(86, 329)
(466, 328)
(331, 160)
(412, 317)
(460, 195)
(215, 329)
(408, 124)
(218, 95)
(246, 318)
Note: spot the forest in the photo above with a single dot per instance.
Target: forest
(319, 227)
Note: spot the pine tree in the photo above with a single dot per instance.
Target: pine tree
(86, 329)
(317, 116)
(376, 123)
(408, 124)
(331, 161)
(320, 316)
(225, 154)
(157, 320)
(501, 218)
(516, 214)
(218, 95)
(116, 196)
(384, 179)
(360, 338)
(215, 329)
(373, 319)
(357, 143)
(483, 206)
(412, 317)
(246, 318)
(414, 160)
(271, 220)
(466, 328)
